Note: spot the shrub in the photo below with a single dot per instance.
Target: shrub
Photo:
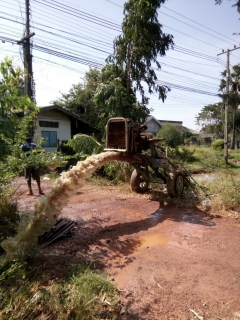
(183, 154)
(116, 172)
(9, 217)
(218, 144)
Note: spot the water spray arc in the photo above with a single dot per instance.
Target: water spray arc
(126, 142)
(49, 206)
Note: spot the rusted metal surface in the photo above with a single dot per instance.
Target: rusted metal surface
(141, 150)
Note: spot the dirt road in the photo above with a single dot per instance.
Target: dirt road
(167, 262)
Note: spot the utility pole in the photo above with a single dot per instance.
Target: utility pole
(25, 41)
(227, 103)
(28, 72)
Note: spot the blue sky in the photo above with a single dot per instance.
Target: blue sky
(83, 31)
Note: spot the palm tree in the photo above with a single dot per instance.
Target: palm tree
(233, 96)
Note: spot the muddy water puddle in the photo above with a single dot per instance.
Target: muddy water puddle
(145, 241)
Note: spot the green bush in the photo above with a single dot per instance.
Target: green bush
(218, 144)
(183, 154)
(9, 217)
(116, 172)
(66, 149)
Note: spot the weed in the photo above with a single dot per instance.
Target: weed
(84, 295)
(9, 217)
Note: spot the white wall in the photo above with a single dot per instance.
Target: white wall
(153, 127)
(63, 131)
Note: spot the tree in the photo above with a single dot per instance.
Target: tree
(173, 134)
(103, 95)
(82, 94)
(237, 4)
(13, 127)
(211, 118)
(233, 97)
(112, 99)
(139, 46)
(13, 104)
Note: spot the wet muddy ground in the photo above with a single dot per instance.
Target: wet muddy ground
(167, 262)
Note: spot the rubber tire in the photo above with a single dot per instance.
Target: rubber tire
(137, 182)
(175, 184)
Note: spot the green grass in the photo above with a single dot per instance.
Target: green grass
(27, 293)
(8, 216)
(224, 189)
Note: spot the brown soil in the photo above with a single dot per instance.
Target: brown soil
(168, 262)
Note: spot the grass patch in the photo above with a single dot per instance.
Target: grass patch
(224, 191)
(8, 216)
(25, 293)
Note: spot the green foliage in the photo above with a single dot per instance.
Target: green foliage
(211, 119)
(183, 154)
(174, 135)
(236, 4)
(82, 94)
(225, 191)
(103, 95)
(9, 217)
(66, 149)
(232, 97)
(113, 99)
(25, 294)
(218, 144)
(13, 103)
(140, 45)
(116, 172)
(83, 144)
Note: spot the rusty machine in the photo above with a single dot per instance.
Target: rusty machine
(143, 151)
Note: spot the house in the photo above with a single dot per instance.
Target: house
(155, 125)
(56, 124)
(163, 122)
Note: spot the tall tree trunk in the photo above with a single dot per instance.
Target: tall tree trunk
(128, 69)
(232, 147)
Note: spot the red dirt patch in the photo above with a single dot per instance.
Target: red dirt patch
(167, 262)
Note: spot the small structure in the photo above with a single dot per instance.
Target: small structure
(154, 125)
(177, 123)
(56, 124)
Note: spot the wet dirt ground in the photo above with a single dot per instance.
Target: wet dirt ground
(167, 262)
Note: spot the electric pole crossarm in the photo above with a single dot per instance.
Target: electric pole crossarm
(26, 38)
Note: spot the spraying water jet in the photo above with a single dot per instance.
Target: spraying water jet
(126, 142)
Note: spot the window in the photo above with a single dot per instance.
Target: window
(48, 124)
(50, 138)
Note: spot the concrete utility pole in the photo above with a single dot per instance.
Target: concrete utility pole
(227, 103)
(25, 41)
(28, 73)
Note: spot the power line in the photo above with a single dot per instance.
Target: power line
(196, 22)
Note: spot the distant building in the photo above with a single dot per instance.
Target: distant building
(154, 125)
(163, 122)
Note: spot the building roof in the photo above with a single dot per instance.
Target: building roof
(63, 110)
(149, 118)
(192, 131)
(74, 118)
(170, 121)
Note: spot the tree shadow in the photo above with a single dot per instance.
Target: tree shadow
(98, 244)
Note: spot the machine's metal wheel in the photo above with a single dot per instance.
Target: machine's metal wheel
(138, 182)
(175, 184)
